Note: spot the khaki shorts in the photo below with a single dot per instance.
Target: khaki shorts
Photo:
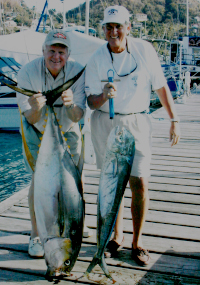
(138, 124)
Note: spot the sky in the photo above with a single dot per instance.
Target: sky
(54, 4)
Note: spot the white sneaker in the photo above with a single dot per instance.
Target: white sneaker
(87, 232)
(35, 248)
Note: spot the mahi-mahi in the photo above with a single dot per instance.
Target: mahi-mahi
(114, 176)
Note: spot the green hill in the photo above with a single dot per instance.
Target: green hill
(166, 18)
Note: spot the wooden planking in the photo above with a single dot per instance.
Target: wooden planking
(171, 232)
(150, 228)
(179, 177)
(153, 215)
(127, 272)
(154, 244)
(159, 263)
(154, 195)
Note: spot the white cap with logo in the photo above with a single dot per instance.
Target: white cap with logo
(57, 37)
(116, 14)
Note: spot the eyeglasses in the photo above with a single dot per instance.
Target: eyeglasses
(133, 63)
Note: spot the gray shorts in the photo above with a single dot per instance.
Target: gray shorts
(138, 124)
(33, 140)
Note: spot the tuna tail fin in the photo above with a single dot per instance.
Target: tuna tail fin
(101, 261)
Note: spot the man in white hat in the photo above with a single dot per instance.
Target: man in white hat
(40, 75)
(137, 68)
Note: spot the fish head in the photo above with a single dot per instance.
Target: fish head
(121, 141)
(58, 256)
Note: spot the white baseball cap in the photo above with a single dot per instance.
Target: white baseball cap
(57, 37)
(116, 14)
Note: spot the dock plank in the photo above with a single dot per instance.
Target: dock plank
(171, 231)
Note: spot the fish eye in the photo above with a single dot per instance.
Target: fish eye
(67, 262)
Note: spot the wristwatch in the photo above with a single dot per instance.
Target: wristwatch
(175, 120)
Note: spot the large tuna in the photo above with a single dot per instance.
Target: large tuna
(58, 199)
(113, 180)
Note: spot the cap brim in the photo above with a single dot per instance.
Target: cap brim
(122, 22)
(56, 41)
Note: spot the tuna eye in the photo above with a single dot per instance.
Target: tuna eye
(67, 262)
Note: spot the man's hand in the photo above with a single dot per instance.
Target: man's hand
(174, 133)
(67, 98)
(37, 102)
(110, 90)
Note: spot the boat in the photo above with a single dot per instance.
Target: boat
(184, 58)
(9, 113)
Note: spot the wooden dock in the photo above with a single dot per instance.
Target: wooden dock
(171, 232)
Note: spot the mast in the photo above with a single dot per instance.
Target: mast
(64, 15)
(187, 19)
(87, 17)
(42, 15)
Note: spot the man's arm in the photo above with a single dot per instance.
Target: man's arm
(167, 102)
(36, 102)
(74, 112)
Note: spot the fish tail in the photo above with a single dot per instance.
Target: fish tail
(102, 264)
(94, 262)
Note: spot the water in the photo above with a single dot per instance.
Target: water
(13, 176)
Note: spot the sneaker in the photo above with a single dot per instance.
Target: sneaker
(35, 248)
(141, 256)
(87, 232)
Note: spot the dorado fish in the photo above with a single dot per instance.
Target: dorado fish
(58, 199)
(114, 176)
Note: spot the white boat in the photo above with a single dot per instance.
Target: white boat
(9, 114)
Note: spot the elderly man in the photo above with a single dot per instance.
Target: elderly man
(43, 74)
(137, 68)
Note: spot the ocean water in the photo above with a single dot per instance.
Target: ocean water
(13, 176)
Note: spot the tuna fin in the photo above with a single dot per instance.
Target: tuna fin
(20, 90)
(30, 158)
(81, 158)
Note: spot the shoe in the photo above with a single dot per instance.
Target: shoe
(35, 248)
(112, 248)
(141, 256)
(87, 232)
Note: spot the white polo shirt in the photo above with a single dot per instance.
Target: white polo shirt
(35, 76)
(133, 90)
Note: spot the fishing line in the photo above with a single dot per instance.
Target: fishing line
(26, 47)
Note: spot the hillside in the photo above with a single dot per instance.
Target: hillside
(166, 18)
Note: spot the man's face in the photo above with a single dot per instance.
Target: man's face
(116, 35)
(55, 57)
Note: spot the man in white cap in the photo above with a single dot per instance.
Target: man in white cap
(43, 74)
(136, 67)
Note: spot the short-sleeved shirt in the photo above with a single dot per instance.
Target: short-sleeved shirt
(35, 76)
(134, 90)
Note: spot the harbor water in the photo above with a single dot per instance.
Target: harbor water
(13, 175)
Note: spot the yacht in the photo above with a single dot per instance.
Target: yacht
(9, 113)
